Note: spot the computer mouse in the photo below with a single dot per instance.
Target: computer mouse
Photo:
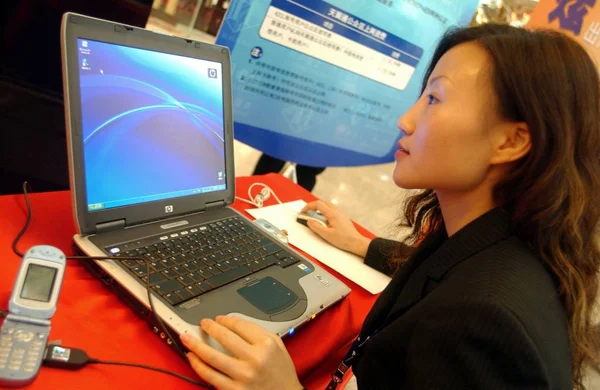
(312, 215)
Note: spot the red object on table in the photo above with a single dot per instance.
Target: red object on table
(90, 317)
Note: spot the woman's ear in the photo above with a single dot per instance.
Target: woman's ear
(512, 141)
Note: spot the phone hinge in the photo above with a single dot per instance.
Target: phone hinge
(110, 226)
(215, 205)
(27, 320)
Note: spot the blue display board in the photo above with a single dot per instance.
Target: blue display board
(323, 83)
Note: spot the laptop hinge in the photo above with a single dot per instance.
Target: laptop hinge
(110, 226)
(215, 205)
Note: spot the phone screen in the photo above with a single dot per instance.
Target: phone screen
(38, 283)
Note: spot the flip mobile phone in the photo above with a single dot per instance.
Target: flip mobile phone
(25, 331)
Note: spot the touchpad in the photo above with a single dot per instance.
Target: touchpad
(268, 295)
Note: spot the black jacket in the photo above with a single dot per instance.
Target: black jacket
(475, 311)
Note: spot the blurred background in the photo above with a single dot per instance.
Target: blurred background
(31, 99)
(33, 146)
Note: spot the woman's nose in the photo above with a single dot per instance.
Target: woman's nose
(406, 123)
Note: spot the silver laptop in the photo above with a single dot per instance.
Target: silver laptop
(150, 141)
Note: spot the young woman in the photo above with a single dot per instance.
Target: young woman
(505, 139)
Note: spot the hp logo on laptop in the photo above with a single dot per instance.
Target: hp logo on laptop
(169, 209)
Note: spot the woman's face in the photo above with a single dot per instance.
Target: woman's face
(446, 146)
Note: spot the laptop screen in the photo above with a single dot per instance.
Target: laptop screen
(152, 125)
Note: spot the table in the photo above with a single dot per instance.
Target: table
(92, 318)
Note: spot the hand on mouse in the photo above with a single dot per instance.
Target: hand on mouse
(341, 232)
(260, 360)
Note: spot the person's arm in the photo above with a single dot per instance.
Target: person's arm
(385, 255)
(473, 346)
(341, 233)
(257, 359)
(340, 230)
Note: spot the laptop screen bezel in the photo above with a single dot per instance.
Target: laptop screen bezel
(76, 27)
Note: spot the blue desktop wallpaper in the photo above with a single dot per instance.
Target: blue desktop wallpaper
(152, 125)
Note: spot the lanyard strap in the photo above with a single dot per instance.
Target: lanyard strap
(338, 375)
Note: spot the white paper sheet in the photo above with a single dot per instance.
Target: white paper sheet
(300, 236)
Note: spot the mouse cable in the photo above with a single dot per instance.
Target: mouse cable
(161, 324)
(259, 199)
(264, 194)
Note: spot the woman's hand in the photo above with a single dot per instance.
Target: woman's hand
(260, 359)
(341, 231)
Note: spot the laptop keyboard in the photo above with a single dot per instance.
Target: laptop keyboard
(197, 260)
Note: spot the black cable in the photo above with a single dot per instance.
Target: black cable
(68, 358)
(185, 378)
(163, 327)
(24, 229)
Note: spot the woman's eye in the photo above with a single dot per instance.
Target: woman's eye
(431, 99)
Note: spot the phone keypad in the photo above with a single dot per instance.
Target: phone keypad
(6, 343)
(21, 349)
(23, 335)
(17, 359)
(35, 350)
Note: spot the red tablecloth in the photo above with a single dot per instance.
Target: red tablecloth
(92, 318)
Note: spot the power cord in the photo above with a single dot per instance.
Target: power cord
(163, 328)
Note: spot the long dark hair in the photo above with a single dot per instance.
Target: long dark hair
(547, 80)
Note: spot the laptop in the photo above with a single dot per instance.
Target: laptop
(150, 142)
